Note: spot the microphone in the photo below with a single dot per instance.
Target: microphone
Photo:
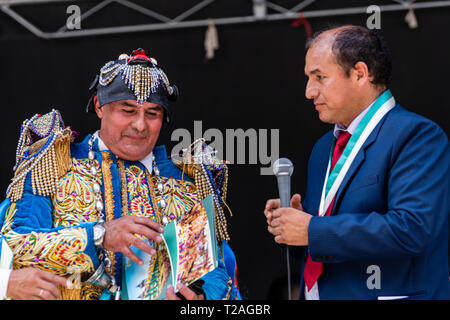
(282, 169)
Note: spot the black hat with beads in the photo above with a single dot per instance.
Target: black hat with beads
(136, 77)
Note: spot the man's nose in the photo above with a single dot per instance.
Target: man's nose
(139, 122)
(311, 91)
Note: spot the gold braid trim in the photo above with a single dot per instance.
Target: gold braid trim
(121, 167)
(109, 201)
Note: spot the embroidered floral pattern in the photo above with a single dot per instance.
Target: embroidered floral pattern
(138, 192)
(61, 252)
(74, 201)
(180, 196)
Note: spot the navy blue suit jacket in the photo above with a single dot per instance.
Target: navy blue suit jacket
(391, 211)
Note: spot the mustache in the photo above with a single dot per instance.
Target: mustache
(135, 134)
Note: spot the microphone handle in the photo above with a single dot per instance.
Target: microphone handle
(284, 189)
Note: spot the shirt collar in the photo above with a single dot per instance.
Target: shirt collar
(340, 128)
(146, 161)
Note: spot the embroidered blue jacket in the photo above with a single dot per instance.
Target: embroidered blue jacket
(56, 233)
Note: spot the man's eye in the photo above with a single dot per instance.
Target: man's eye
(127, 111)
(320, 77)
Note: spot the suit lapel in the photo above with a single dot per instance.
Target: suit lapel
(357, 162)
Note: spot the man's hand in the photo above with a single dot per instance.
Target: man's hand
(187, 293)
(34, 284)
(290, 226)
(274, 204)
(120, 235)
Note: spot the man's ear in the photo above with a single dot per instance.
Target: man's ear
(98, 109)
(361, 72)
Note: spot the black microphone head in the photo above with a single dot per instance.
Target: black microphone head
(283, 167)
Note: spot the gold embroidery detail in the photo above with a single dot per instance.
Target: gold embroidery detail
(180, 196)
(60, 252)
(74, 201)
(135, 192)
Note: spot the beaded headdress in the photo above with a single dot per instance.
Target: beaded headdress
(136, 77)
(43, 150)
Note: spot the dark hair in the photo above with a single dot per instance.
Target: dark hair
(353, 44)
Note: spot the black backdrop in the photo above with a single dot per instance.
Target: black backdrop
(256, 80)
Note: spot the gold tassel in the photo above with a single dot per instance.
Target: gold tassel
(190, 169)
(62, 149)
(52, 166)
(44, 175)
(69, 294)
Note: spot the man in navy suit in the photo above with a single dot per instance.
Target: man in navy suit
(374, 223)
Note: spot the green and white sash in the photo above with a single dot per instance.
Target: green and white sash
(333, 180)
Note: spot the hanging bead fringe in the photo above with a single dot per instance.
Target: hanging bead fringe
(48, 159)
(204, 181)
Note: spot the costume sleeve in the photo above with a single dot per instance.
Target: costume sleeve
(418, 194)
(28, 229)
(220, 283)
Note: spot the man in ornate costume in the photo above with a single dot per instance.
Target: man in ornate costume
(85, 209)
